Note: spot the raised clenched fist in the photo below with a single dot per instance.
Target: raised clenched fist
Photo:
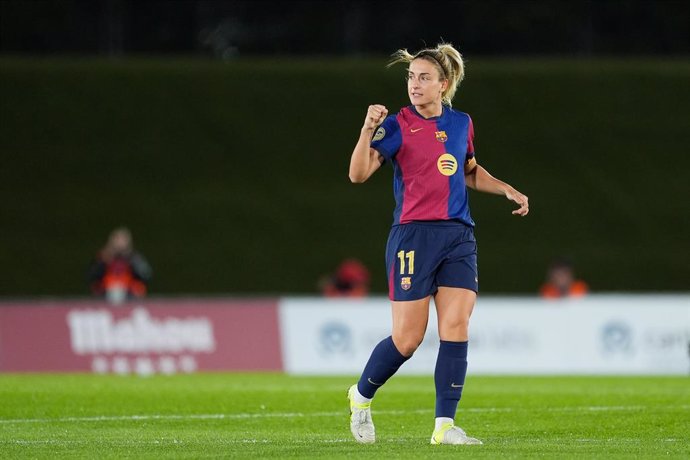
(375, 116)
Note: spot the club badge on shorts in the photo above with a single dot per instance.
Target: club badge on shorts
(406, 283)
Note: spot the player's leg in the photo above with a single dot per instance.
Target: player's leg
(410, 286)
(409, 325)
(411, 273)
(457, 293)
(454, 307)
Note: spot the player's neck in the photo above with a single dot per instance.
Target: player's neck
(432, 109)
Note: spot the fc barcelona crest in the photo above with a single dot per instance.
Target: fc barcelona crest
(441, 136)
(406, 282)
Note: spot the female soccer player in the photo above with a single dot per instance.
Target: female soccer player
(431, 249)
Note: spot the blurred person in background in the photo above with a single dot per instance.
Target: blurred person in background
(118, 272)
(351, 279)
(431, 250)
(561, 281)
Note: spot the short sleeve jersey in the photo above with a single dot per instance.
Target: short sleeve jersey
(428, 157)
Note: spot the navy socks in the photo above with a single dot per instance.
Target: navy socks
(384, 361)
(451, 368)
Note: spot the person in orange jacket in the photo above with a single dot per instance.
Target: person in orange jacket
(118, 272)
(561, 281)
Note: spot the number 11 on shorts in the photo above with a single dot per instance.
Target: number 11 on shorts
(402, 255)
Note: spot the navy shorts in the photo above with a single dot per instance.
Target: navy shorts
(421, 256)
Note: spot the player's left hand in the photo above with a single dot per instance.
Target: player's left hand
(519, 198)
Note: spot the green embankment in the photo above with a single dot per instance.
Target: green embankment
(233, 176)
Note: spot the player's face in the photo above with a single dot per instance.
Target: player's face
(424, 83)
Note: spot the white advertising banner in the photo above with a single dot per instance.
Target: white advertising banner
(598, 334)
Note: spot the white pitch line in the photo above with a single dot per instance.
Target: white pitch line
(311, 441)
(255, 415)
(146, 417)
(120, 442)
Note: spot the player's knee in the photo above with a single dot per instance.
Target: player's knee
(454, 328)
(407, 345)
(462, 324)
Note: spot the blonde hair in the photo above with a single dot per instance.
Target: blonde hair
(445, 58)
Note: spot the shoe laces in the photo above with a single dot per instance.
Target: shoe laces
(457, 428)
(451, 430)
(361, 415)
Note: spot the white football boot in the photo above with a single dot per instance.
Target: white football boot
(361, 424)
(451, 434)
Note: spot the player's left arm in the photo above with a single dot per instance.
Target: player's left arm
(477, 178)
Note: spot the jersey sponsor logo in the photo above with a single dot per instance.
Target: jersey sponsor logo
(380, 134)
(415, 130)
(406, 283)
(441, 136)
(447, 164)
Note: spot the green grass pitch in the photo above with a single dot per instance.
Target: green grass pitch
(274, 415)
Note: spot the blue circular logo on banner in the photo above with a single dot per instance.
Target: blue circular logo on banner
(336, 338)
(616, 337)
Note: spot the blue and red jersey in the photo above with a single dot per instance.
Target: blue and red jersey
(428, 157)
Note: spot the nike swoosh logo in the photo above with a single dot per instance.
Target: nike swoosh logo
(415, 130)
(452, 385)
(374, 383)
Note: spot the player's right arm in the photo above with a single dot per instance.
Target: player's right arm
(366, 160)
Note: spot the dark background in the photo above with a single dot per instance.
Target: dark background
(255, 27)
(220, 133)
